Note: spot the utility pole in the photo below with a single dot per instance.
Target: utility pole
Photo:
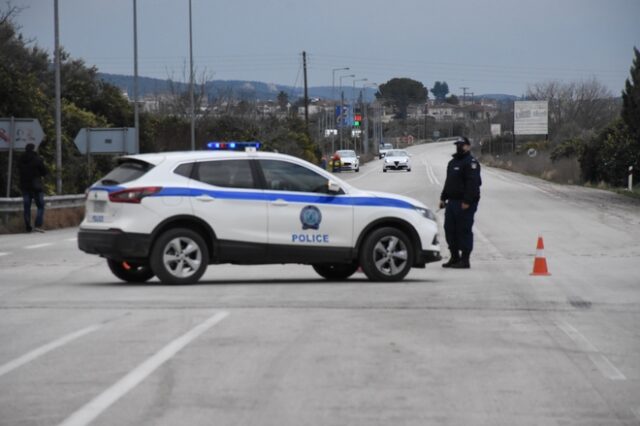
(136, 118)
(306, 91)
(464, 95)
(191, 95)
(58, 102)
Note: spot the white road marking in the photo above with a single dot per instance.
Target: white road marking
(494, 251)
(602, 362)
(4, 254)
(517, 182)
(35, 246)
(428, 174)
(72, 239)
(42, 350)
(100, 403)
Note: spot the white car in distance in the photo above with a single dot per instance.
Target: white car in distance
(397, 159)
(349, 159)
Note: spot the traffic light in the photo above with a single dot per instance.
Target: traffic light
(357, 119)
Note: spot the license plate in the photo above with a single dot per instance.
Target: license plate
(97, 218)
(99, 206)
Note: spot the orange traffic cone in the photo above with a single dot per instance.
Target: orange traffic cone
(540, 262)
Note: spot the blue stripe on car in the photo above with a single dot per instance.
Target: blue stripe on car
(343, 200)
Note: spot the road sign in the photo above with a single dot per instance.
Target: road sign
(117, 140)
(531, 117)
(27, 130)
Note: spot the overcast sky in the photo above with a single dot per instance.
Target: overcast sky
(491, 46)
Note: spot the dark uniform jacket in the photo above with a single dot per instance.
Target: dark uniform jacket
(463, 179)
(32, 169)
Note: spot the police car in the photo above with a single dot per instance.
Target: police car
(172, 214)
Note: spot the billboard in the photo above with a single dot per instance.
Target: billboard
(531, 118)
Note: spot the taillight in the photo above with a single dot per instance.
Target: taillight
(133, 195)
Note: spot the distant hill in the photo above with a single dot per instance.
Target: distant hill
(241, 89)
(498, 97)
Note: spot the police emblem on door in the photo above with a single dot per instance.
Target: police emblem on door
(310, 217)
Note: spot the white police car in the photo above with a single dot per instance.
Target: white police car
(171, 214)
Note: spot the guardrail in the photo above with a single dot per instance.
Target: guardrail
(8, 205)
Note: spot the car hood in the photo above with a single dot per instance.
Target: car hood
(409, 200)
(396, 158)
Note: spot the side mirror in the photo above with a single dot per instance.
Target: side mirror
(358, 157)
(333, 187)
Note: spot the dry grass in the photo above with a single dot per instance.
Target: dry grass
(566, 170)
(53, 219)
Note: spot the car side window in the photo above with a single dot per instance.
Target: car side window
(285, 176)
(184, 170)
(226, 173)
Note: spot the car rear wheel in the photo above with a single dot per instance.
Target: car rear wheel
(387, 255)
(336, 271)
(179, 256)
(129, 271)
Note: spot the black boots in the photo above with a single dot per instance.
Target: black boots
(458, 262)
(455, 258)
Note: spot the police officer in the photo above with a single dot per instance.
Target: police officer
(460, 195)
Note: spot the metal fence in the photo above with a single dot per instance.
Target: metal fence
(8, 205)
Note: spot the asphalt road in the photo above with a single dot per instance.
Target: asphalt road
(276, 345)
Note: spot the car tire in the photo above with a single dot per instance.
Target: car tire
(336, 271)
(129, 271)
(179, 256)
(387, 254)
(408, 170)
(358, 170)
(384, 170)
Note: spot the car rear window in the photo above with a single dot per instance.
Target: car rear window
(126, 171)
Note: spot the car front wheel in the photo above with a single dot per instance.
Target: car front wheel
(179, 256)
(386, 255)
(129, 271)
(336, 271)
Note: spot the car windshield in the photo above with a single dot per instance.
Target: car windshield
(397, 153)
(343, 154)
(387, 146)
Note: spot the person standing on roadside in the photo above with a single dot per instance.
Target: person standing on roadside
(32, 170)
(460, 197)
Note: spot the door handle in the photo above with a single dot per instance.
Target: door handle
(279, 202)
(205, 198)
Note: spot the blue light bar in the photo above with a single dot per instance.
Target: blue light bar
(232, 146)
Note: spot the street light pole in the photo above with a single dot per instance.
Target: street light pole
(136, 118)
(58, 117)
(342, 103)
(333, 80)
(191, 95)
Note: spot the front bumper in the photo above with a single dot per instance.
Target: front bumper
(115, 244)
(396, 166)
(427, 256)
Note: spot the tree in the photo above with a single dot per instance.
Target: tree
(631, 98)
(578, 108)
(402, 92)
(440, 90)
(283, 100)
(453, 100)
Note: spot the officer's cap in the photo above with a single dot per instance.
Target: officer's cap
(463, 140)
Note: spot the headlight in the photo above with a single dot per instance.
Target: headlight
(386, 160)
(427, 213)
